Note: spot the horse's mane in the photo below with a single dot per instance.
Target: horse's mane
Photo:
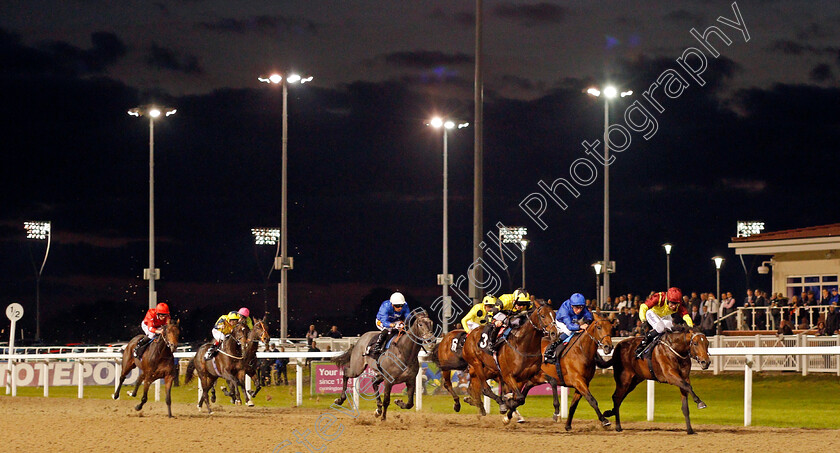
(680, 328)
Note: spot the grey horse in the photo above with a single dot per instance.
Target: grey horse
(397, 365)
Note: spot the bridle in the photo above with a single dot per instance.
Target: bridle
(597, 341)
(687, 354)
(544, 329)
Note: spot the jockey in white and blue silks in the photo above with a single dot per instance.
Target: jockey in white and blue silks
(572, 317)
(393, 314)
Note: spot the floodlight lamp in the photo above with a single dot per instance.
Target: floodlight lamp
(154, 113)
(265, 236)
(449, 124)
(718, 262)
(627, 93)
(597, 267)
(436, 122)
(610, 92)
(463, 125)
(594, 92)
(37, 230)
(294, 78)
(524, 243)
(667, 248)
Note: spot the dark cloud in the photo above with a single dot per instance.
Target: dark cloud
(60, 58)
(790, 47)
(171, 60)
(464, 19)
(531, 15)
(262, 24)
(811, 31)
(425, 59)
(521, 83)
(821, 73)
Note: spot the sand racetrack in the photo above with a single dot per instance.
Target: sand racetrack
(85, 425)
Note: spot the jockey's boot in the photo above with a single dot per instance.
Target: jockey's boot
(651, 335)
(141, 347)
(500, 340)
(376, 351)
(211, 351)
(550, 351)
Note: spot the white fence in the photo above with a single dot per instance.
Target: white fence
(751, 358)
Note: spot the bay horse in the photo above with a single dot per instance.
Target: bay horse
(519, 360)
(448, 355)
(225, 364)
(577, 365)
(396, 365)
(670, 362)
(157, 362)
(251, 364)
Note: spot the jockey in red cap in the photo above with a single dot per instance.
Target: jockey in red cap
(658, 310)
(155, 319)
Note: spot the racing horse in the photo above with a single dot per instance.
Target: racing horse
(669, 362)
(249, 358)
(448, 355)
(576, 365)
(396, 365)
(226, 364)
(519, 360)
(157, 362)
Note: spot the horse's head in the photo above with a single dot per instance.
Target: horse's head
(421, 327)
(601, 330)
(698, 347)
(542, 317)
(260, 332)
(172, 333)
(240, 332)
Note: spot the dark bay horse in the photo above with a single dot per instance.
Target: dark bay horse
(226, 364)
(251, 364)
(671, 363)
(397, 365)
(157, 362)
(449, 356)
(577, 365)
(519, 360)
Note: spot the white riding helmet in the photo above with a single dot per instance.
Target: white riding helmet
(397, 299)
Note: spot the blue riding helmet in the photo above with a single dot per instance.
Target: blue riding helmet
(578, 300)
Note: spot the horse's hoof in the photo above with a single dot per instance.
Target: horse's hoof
(131, 394)
(605, 423)
(457, 407)
(568, 427)
(138, 407)
(468, 400)
(618, 429)
(521, 420)
(503, 408)
(505, 420)
(338, 401)
(690, 431)
(250, 404)
(377, 413)
(199, 408)
(115, 396)
(238, 403)
(556, 417)
(701, 405)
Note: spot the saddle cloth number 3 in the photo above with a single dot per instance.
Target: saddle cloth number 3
(483, 343)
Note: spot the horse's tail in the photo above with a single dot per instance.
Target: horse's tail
(433, 355)
(190, 370)
(343, 359)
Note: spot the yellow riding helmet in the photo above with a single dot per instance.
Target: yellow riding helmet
(523, 297)
(489, 300)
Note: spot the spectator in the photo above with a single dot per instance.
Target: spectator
(835, 297)
(711, 307)
(825, 298)
(695, 301)
(695, 315)
(749, 303)
(760, 312)
(811, 314)
(622, 303)
(832, 318)
(784, 328)
(281, 364)
(334, 333)
(639, 330)
(728, 307)
(266, 367)
(776, 304)
(625, 323)
(821, 329)
(311, 334)
(796, 311)
(312, 348)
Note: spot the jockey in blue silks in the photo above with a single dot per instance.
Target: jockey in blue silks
(572, 317)
(392, 316)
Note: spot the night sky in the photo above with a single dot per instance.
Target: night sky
(755, 141)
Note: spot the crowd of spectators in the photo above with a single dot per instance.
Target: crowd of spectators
(705, 309)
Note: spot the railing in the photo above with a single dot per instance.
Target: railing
(748, 318)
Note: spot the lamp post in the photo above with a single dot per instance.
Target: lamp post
(597, 267)
(266, 236)
(609, 92)
(153, 112)
(524, 244)
(667, 264)
(718, 263)
(445, 279)
(285, 262)
(39, 231)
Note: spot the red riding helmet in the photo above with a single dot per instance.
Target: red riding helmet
(674, 295)
(162, 309)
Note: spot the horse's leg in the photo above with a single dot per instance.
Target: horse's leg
(688, 428)
(254, 392)
(446, 377)
(475, 391)
(207, 385)
(343, 395)
(140, 378)
(553, 383)
(625, 382)
(169, 380)
(376, 381)
(127, 366)
(248, 401)
(675, 378)
(572, 408)
(411, 387)
(143, 400)
(582, 388)
(386, 400)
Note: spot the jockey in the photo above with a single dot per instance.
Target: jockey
(479, 314)
(224, 326)
(572, 317)
(512, 304)
(155, 319)
(657, 311)
(393, 314)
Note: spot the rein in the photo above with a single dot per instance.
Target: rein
(688, 353)
(538, 329)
